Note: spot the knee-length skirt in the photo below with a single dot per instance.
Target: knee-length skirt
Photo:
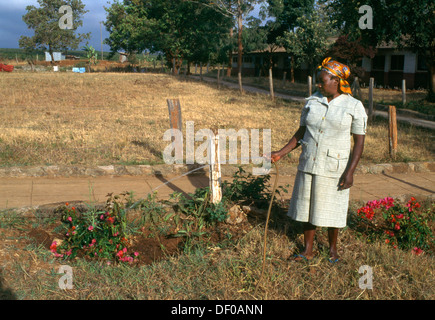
(317, 200)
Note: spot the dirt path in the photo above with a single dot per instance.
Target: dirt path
(35, 191)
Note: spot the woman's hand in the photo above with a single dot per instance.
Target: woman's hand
(346, 181)
(273, 157)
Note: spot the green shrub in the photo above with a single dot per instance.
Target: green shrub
(401, 226)
(96, 234)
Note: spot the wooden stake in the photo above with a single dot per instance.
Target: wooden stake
(372, 82)
(272, 95)
(403, 92)
(218, 78)
(392, 131)
(200, 71)
(215, 170)
(175, 122)
(174, 108)
(356, 89)
(310, 83)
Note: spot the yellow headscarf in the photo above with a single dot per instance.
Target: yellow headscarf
(337, 69)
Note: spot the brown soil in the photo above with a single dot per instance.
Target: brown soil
(41, 237)
(156, 248)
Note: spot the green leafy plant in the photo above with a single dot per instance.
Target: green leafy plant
(198, 212)
(96, 234)
(91, 54)
(401, 226)
(248, 188)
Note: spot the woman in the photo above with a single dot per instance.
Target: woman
(326, 166)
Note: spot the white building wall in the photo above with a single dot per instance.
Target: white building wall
(367, 64)
(410, 65)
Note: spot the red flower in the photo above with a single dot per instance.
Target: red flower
(53, 246)
(417, 251)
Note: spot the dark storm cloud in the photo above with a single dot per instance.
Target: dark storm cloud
(12, 26)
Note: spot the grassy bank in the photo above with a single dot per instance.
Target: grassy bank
(207, 268)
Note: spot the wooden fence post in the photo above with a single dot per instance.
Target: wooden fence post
(392, 131)
(372, 82)
(215, 170)
(218, 76)
(403, 92)
(200, 71)
(356, 89)
(272, 95)
(175, 122)
(310, 83)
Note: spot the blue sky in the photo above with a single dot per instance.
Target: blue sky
(12, 26)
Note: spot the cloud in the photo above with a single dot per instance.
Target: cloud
(12, 27)
(16, 5)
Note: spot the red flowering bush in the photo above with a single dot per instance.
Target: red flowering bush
(95, 234)
(401, 226)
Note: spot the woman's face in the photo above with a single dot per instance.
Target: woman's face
(327, 86)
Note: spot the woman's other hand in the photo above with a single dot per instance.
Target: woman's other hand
(346, 181)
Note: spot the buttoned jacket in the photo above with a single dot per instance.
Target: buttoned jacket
(327, 140)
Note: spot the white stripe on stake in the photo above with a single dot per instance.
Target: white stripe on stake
(215, 170)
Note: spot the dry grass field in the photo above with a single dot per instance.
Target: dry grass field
(119, 118)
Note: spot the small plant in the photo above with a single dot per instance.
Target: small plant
(401, 226)
(96, 234)
(198, 211)
(249, 188)
(91, 54)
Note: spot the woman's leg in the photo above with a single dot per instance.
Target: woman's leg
(332, 236)
(309, 232)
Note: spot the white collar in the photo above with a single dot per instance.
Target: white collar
(322, 99)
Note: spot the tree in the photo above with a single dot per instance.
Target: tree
(91, 54)
(309, 41)
(235, 9)
(407, 23)
(49, 36)
(351, 53)
(285, 14)
(29, 50)
(179, 29)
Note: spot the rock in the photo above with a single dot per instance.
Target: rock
(254, 210)
(235, 215)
